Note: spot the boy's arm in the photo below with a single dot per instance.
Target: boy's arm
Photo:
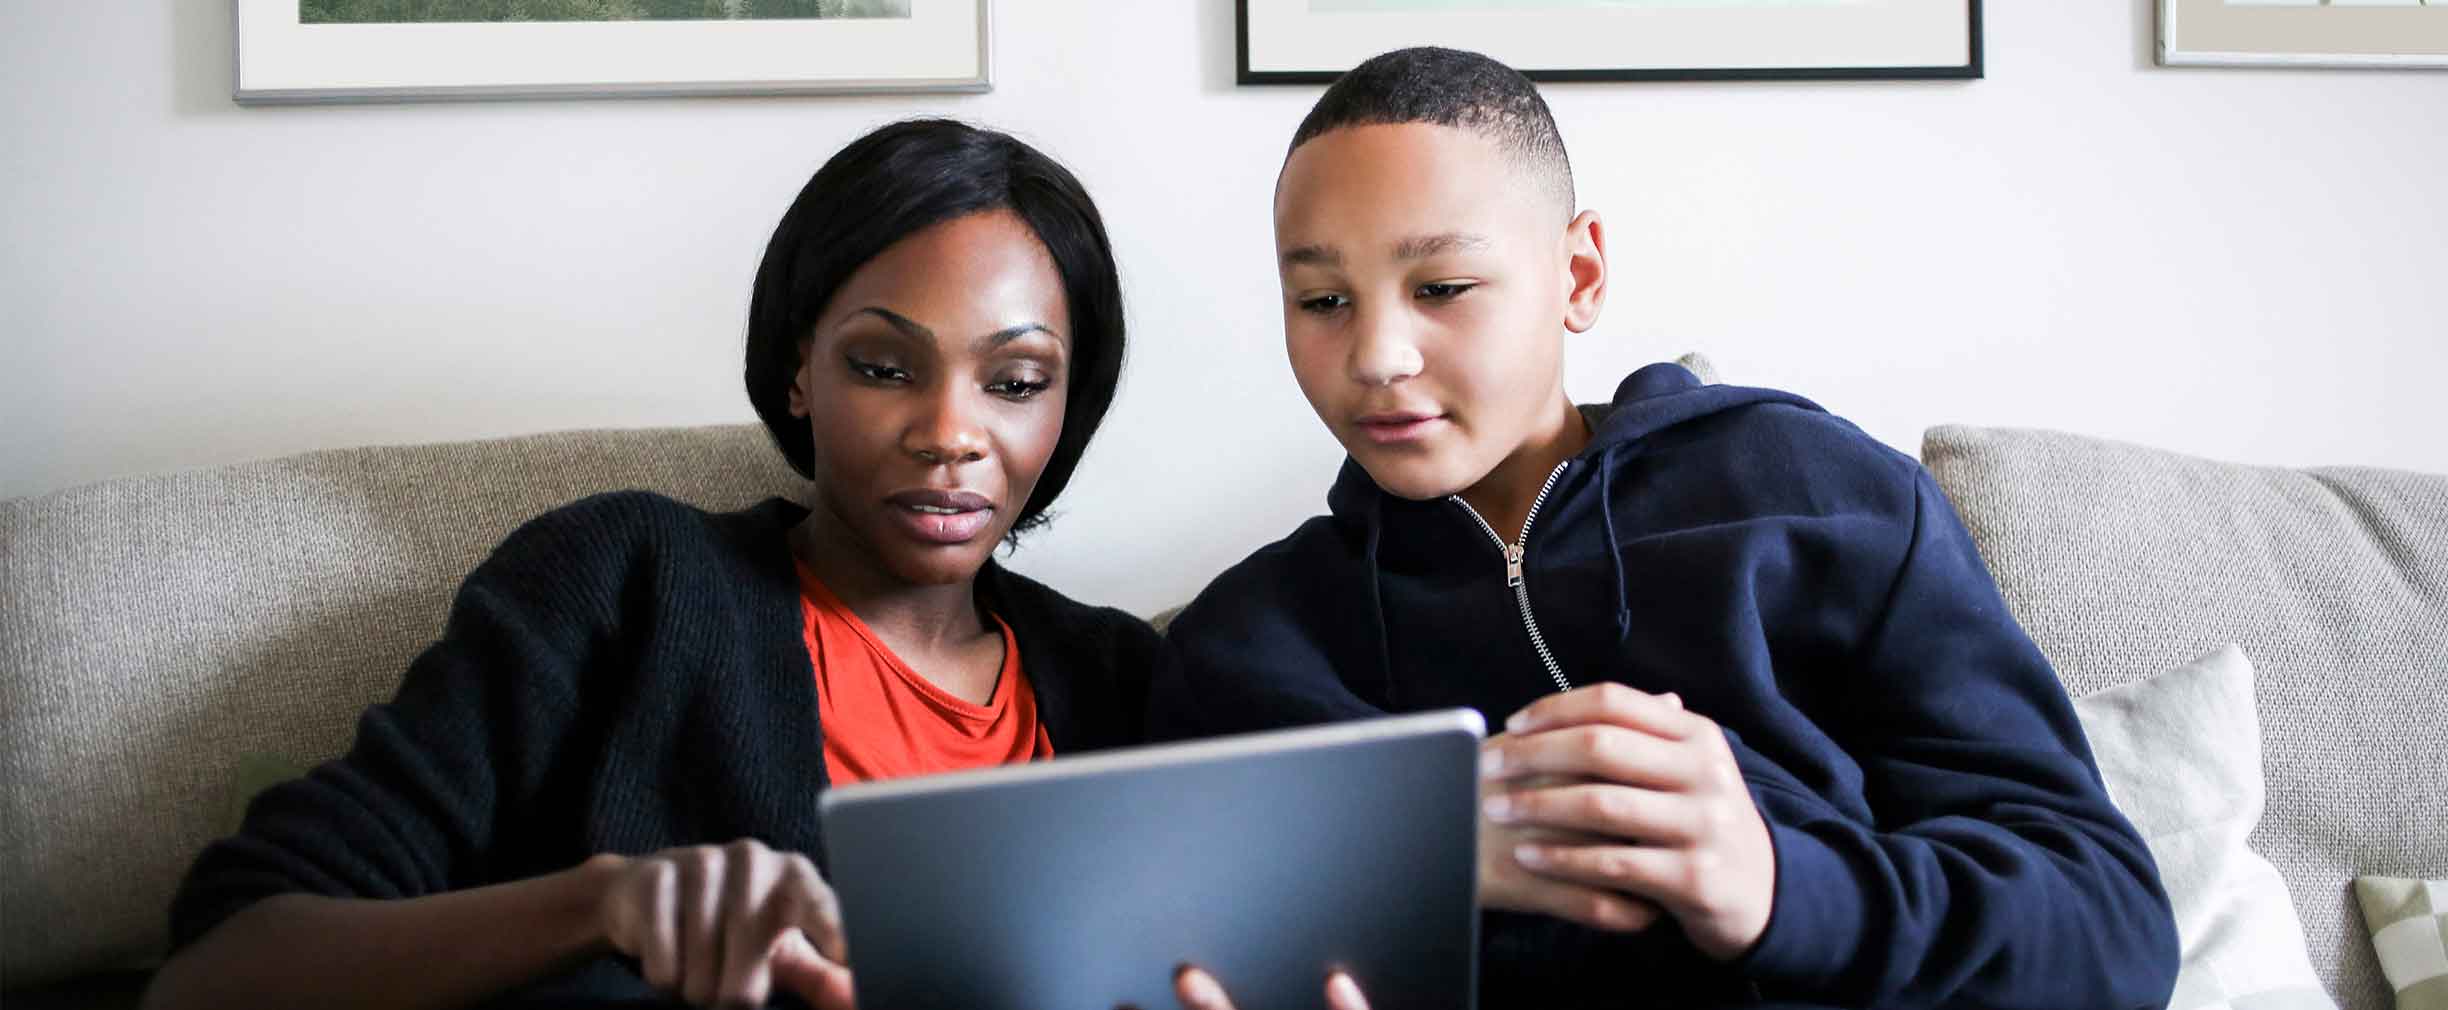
(1999, 874)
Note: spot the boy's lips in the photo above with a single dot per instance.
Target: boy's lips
(1398, 426)
(941, 517)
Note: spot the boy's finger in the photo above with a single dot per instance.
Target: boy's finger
(1610, 811)
(1593, 907)
(1198, 990)
(1660, 875)
(1344, 994)
(1616, 704)
(823, 984)
(1603, 752)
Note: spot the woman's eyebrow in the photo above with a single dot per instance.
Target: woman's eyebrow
(916, 331)
(1008, 334)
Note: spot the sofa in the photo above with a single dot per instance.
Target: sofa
(169, 644)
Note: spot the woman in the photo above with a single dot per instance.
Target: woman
(601, 782)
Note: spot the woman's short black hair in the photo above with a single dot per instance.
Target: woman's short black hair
(899, 180)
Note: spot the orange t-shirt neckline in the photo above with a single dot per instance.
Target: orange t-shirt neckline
(882, 719)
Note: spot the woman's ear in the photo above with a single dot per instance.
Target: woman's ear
(1585, 264)
(800, 393)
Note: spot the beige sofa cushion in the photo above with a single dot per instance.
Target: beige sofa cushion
(161, 635)
(2123, 561)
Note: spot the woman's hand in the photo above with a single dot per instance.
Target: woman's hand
(1660, 808)
(1198, 990)
(724, 925)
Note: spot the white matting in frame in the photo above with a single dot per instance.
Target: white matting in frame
(943, 45)
(2303, 33)
(1307, 41)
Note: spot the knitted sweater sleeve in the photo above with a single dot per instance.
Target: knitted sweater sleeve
(433, 784)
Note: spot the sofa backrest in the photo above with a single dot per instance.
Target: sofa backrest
(166, 642)
(2123, 561)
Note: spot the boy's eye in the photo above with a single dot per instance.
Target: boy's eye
(1322, 304)
(1443, 290)
(878, 373)
(1019, 389)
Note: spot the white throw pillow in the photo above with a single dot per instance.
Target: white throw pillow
(2181, 753)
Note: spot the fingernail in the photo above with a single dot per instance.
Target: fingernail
(1529, 855)
(1672, 699)
(1341, 989)
(1203, 990)
(1491, 762)
(1520, 723)
(1499, 808)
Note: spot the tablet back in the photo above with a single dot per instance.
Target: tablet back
(1267, 859)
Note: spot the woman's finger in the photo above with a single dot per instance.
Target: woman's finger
(1609, 811)
(815, 909)
(823, 983)
(701, 888)
(753, 912)
(656, 901)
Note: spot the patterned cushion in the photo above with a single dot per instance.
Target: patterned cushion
(2123, 561)
(2409, 930)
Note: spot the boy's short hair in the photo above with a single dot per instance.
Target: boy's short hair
(1449, 87)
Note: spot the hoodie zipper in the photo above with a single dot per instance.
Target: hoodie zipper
(1513, 570)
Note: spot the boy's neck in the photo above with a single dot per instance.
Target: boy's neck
(1503, 497)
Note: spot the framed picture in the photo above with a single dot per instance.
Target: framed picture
(292, 51)
(1311, 41)
(2305, 33)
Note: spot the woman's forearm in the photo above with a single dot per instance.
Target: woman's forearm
(444, 950)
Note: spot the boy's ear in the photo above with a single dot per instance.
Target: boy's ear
(1585, 264)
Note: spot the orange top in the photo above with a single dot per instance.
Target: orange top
(882, 720)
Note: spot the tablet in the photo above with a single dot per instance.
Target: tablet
(1080, 883)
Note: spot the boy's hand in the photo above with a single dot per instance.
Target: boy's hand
(1657, 789)
(1198, 990)
(1504, 883)
(723, 926)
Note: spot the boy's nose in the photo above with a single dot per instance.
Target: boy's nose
(1384, 354)
(947, 432)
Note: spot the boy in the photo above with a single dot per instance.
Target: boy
(1770, 732)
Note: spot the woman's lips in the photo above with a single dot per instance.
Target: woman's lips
(1387, 429)
(939, 516)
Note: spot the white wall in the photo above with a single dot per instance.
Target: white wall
(2249, 265)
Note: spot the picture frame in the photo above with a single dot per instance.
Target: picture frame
(1314, 41)
(2303, 33)
(911, 46)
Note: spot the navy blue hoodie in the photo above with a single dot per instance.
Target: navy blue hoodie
(1942, 837)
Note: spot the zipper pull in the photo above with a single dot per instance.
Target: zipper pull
(1513, 566)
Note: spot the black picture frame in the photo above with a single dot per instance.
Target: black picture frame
(1971, 69)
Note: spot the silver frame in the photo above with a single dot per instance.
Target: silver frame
(2171, 55)
(983, 82)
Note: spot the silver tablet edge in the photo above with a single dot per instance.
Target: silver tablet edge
(1162, 755)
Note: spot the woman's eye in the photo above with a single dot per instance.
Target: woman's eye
(1322, 304)
(1019, 389)
(878, 373)
(1443, 291)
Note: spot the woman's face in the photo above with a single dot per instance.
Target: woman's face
(934, 385)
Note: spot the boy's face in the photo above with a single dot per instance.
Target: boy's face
(1427, 282)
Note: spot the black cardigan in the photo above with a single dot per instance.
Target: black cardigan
(624, 674)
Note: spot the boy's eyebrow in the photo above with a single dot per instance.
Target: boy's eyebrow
(989, 342)
(1420, 247)
(1312, 255)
